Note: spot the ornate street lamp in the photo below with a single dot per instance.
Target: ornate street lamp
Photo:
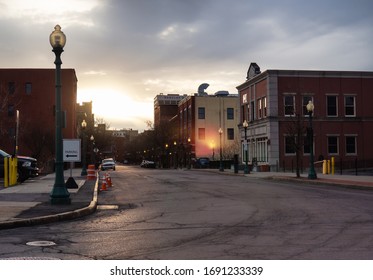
(311, 173)
(175, 154)
(221, 168)
(92, 138)
(165, 156)
(189, 153)
(59, 193)
(84, 163)
(245, 126)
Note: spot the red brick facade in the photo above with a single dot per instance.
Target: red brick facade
(32, 93)
(342, 121)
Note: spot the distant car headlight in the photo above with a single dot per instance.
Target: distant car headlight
(26, 164)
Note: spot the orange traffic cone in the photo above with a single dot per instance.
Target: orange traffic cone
(108, 180)
(103, 186)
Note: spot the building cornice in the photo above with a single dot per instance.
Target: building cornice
(305, 73)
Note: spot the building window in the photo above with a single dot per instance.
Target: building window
(189, 113)
(305, 101)
(260, 109)
(331, 103)
(181, 118)
(351, 145)
(201, 113)
(244, 98)
(28, 88)
(245, 112)
(264, 103)
(306, 145)
(289, 145)
(252, 112)
(262, 149)
(10, 110)
(247, 117)
(230, 133)
(289, 104)
(185, 119)
(333, 145)
(350, 106)
(201, 134)
(11, 88)
(230, 114)
(12, 132)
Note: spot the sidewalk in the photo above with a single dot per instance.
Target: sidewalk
(29, 204)
(350, 181)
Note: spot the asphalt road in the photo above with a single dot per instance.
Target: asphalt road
(189, 214)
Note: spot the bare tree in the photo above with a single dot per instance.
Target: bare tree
(7, 98)
(229, 150)
(149, 124)
(102, 121)
(41, 147)
(296, 131)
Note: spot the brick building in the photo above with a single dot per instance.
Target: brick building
(165, 107)
(201, 117)
(274, 102)
(31, 92)
(84, 112)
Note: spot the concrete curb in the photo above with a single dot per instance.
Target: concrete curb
(303, 180)
(91, 208)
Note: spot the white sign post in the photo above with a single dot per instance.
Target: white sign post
(71, 150)
(71, 153)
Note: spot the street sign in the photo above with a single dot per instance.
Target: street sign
(71, 150)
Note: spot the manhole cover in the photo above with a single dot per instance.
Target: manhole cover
(107, 207)
(41, 243)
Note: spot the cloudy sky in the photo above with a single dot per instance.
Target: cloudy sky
(125, 52)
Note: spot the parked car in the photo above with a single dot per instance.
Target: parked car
(27, 166)
(202, 162)
(108, 163)
(147, 164)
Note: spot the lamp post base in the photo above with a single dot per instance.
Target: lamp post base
(221, 168)
(60, 200)
(60, 195)
(84, 172)
(312, 175)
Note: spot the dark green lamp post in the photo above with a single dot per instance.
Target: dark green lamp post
(84, 168)
(311, 173)
(221, 167)
(189, 153)
(245, 126)
(92, 138)
(59, 193)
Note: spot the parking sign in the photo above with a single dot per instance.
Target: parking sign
(71, 150)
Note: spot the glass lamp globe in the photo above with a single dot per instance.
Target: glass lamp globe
(310, 107)
(57, 39)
